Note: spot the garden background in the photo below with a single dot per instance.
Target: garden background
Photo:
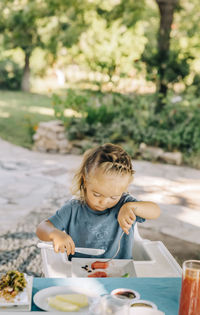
(118, 71)
(129, 70)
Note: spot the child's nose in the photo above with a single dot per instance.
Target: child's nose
(103, 201)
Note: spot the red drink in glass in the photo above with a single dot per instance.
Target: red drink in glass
(190, 290)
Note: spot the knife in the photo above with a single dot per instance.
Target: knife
(83, 250)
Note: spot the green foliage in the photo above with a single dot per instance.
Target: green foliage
(19, 23)
(130, 119)
(127, 11)
(74, 101)
(176, 66)
(31, 127)
(102, 114)
(58, 107)
(196, 85)
(10, 75)
(89, 109)
(48, 24)
(175, 128)
(110, 52)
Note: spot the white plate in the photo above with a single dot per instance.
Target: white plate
(116, 267)
(41, 298)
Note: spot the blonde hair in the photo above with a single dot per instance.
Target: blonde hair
(110, 158)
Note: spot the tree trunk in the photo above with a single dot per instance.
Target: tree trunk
(25, 84)
(166, 8)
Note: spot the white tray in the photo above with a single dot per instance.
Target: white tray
(116, 267)
(153, 259)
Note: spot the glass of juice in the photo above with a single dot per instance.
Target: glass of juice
(190, 290)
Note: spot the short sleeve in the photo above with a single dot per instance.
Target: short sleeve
(139, 219)
(129, 198)
(62, 217)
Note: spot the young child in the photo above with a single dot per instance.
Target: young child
(103, 207)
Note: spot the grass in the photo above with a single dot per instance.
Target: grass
(20, 113)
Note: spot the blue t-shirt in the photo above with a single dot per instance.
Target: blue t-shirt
(95, 229)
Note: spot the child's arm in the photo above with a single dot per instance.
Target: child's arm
(143, 209)
(62, 242)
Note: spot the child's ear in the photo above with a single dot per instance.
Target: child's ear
(83, 181)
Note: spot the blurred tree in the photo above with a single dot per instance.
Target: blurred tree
(128, 13)
(64, 23)
(20, 29)
(106, 47)
(34, 23)
(110, 51)
(166, 9)
(185, 34)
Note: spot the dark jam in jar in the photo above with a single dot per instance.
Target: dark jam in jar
(125, 295)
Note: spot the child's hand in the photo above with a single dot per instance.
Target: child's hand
(62, 242)
(126, 216)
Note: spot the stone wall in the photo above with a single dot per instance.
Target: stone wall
(51, 137)
(158, 154)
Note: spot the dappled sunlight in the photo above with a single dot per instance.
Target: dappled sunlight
(70, 112)
(176, 185)
(152, 181)
(190, 216)
(49, 162)
(3, 104)
(92, 80)
(39, 110)
(4, 114)
(180, 192)
(178, 195)
(50, 112)
(84, 79)
(10, 103)
(31, 109)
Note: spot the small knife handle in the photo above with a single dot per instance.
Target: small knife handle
(89, 251)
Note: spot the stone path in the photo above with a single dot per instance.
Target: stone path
(33, 185)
